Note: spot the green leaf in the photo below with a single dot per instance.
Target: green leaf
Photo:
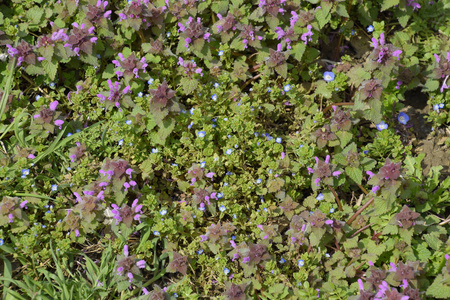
(388, 4)
(438, 289)
(342, 10)
(297, 51)
(188, 85)
(423, 254)
(431, 85)
(355, 174)
(109, 72)
(344, 137)
(433, 241)
(323, 15)
(35, 14)
(322, 89)
(50, 68)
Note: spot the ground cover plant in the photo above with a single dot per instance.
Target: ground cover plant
(224, 149)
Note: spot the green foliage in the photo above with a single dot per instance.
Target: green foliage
(199, 149)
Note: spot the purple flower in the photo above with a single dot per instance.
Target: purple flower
(127, 214)
(24, 52)
(115, 95)
(129, 67)
(127, 265)
(383, 53)
(306, 37)
(81, 39)
(190, 67)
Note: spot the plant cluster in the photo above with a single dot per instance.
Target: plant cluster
(263, 149)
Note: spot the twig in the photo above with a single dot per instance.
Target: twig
(361, 229)
(336, 197)
(357, 213)
(445, 222)
(336, 104)
(363, 189)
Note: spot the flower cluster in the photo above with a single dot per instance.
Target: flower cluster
(323, 172)
(11, 208)
(81, 39)
(25, 53)
(115, 94)
(128, 265)
(129, 67)
(48, 117)
(191, 31)
(127, 214)
(190, 67)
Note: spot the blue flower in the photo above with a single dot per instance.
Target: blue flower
(214, 97)
(221, 52)
(327, 255)
(128, 122)
(52, 85)
(282, 261)
(301, 262)
(258, 181)
(120, 142)
(200, 251)
(154, 150)
(229, 151)
(163, 212)
(151, 81)
(201, 134)
(403, 118)
(222, 208)
(269, 90)
(202, 164)
(25, 172)
(381, 126)
(226, 271)
(38, 97)
(220, 195)
(236, 146)
(168, 34)
(287, 88)
(328, 76)
(216, 85)
(278, 140)
(437, 107)
(156, 233)
(331, 210)
(320, 197)
(370, 28)
(140, 94)
(54, 187)
(69, 134)
(366, 152)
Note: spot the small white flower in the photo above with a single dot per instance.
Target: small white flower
(216, 85)
(214, 97)
(221, 52)
(320, 197)
(120, 142)
(222, 208)
(54, 187)
(287, 88)
(301, 262)
(128, 122)
(154, 150)
(278, 140)
(140, 94)
(151, 81)
(229, 151)
(163, 212)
